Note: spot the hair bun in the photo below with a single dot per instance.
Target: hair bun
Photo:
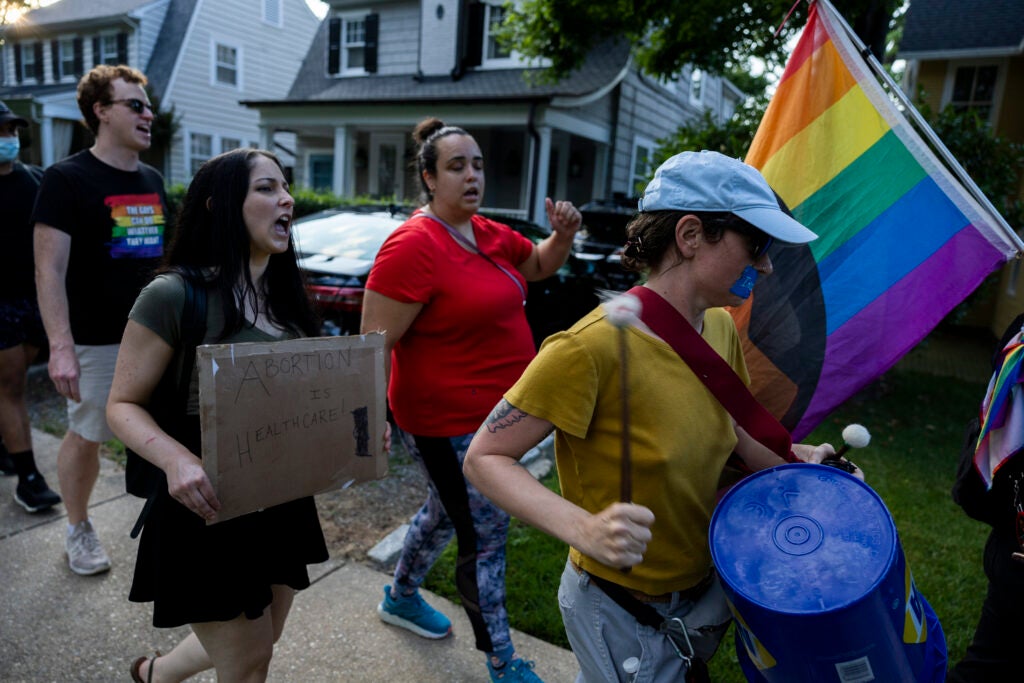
(425, 128)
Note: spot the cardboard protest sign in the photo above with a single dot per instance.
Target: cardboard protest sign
(289, 419)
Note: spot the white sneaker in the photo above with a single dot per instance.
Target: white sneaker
(85, 553)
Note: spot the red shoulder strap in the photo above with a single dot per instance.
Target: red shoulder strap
(717, 375)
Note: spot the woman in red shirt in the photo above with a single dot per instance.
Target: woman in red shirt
(448, 289)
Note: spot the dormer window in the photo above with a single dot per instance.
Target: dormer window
(482, 47)
(352, 45)
(495, 15)
(110, 48)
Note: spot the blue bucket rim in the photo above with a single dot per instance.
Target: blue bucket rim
(896, 546)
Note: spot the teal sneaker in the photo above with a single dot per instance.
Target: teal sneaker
(413, 613)
(516, 670)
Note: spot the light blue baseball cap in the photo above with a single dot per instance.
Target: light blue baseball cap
(709, 181)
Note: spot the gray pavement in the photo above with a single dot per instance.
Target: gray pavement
(57, 626)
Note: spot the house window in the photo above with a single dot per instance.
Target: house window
(273, 13)
(225, 64)
(31, 64)
(641, 166)
(352, 49)
(108, 50)
(228, 144)
(352, 45)
(200, 149)
(66, 47)
(493, 21)
(729, 105)
(974, 87)
(321, 171)
(697, 87)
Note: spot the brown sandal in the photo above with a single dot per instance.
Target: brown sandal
(137, 668)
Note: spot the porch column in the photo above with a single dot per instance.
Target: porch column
(342, 182)
(266, 137)
(46, 140)
(540, 183)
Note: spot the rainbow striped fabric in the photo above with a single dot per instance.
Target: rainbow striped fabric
(901, 242)
(1002, 413)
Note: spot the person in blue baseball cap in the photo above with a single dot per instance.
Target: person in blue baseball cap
(639, 597)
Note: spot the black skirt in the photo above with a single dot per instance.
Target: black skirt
(195, 573)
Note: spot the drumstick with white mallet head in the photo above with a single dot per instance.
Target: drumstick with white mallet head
(854, 436)
(623, 311)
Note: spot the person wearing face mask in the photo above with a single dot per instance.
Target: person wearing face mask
(99, 234)
(639, 552)
(21, 328)
(448, 289)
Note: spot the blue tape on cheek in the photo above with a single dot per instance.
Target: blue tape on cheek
(745, 285)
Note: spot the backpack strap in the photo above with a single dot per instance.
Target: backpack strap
(193, 330)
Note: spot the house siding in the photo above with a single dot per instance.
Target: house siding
(397, 54)
(438, 37)
(267, 67)
(651, 111)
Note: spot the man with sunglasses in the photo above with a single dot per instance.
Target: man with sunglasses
(99, 234)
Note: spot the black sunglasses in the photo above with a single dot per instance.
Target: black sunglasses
(136, 105)
(758, 241)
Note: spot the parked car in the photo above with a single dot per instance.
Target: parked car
(600, 241)
(336, 249)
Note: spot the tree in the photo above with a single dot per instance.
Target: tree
(10, 10)
(715, 35)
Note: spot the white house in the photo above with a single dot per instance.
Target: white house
(377, 67)
(202, 57)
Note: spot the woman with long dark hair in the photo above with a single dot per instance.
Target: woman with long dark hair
(234, 581)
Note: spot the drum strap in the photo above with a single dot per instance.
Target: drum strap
(718, 376)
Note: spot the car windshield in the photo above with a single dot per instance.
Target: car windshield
(344, 235)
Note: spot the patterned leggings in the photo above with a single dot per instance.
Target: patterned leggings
(454, 506)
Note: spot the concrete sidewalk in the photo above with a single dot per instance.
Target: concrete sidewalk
(57, 626)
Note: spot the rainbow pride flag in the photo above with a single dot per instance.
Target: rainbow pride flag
(1001, 419)
(901, 241)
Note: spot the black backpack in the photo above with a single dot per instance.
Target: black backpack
(169, 400)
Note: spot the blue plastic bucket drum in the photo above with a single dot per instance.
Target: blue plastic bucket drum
(818, 584)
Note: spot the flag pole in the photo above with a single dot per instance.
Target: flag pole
(924, 128)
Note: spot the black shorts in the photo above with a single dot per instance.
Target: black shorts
(20, 324)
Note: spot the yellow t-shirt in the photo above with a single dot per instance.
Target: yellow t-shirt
(680, 437)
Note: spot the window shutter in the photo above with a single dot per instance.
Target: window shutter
(78, 57)
(333, 46)
(17, 62)
(370, 43)
(39, 62)
(122, 48)
(96, 59)
(475, 35)
(55, 59)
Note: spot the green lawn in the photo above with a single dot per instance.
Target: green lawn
(916, 423)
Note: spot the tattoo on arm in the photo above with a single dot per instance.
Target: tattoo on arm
(504, 415)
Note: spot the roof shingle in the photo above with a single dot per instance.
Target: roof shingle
(963, 25)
